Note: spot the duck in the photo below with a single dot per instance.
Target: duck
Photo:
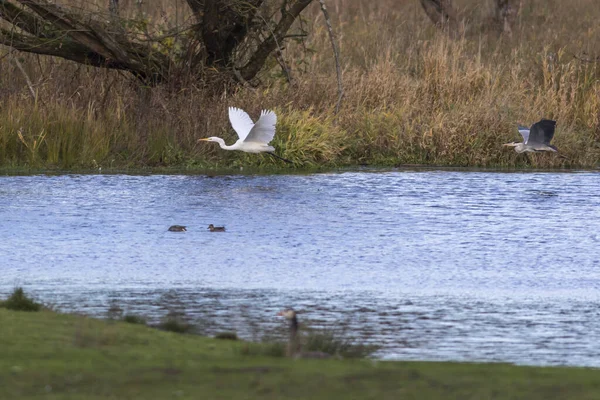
(294, 347)
(177, 228)
(213, 228)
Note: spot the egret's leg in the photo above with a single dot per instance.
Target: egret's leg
(281, 158)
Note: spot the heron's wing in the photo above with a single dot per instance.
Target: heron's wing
(240, 121)
(264, 129)
(542, 132)
(524, 131)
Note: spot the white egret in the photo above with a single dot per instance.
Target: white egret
(253, 138)
(537, 138)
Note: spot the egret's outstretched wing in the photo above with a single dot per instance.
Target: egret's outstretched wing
(524, 131)
(542, 132)
(240, 121)
(264, 129)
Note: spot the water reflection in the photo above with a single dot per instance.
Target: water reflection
(434, 265)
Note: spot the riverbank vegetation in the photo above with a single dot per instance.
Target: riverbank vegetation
(68, 356)
(413, 95)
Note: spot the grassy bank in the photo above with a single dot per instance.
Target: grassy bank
(58, 356)
(412, 96)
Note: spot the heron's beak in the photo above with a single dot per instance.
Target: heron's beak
(511, 144)
(204, 140)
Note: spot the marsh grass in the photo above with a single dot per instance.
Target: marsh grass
(412, 96)
(19, 301)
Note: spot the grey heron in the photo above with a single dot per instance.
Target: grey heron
(253, 138)
(537, 138)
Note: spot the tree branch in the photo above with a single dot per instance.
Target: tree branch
(98, 44)
(442, 14)
(256, 62)
(62, 22)
(336, 54)
(22, 19)
(59, 48)
(222, 27)
(67, 49)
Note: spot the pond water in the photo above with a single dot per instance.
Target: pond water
(432, 265)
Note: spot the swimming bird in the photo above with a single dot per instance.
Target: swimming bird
(177, 228)
(537, 138)
(213, 228)
(294, 346)
(253, 138)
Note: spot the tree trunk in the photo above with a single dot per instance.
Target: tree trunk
(506, 13)
(443, 14)
(220, 27)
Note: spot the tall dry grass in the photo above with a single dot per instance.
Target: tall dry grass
(412, 96)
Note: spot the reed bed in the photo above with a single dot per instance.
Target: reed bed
(412, 96)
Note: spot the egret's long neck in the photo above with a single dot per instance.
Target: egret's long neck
(222, 144)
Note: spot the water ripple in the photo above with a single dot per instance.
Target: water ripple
(433, 264)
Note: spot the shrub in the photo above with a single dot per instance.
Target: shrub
(19, 301)
(134, 319)
(173, 322)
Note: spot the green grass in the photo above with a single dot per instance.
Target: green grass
(57, 356)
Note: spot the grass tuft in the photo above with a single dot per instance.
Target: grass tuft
(227, 336)
(134, 319)
(173, 322)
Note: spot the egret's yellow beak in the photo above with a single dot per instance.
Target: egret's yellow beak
(204, 140)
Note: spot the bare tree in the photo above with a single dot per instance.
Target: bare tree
(506, 12)
(442, 13)
(230, 37)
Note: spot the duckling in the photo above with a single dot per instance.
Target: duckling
(294, 346)
(213, 228)
(177, 228)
